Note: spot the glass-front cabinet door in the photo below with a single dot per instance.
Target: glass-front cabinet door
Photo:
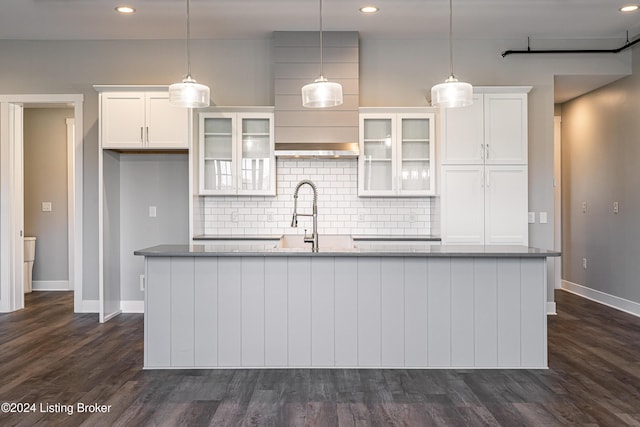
(217, 154)
(396, 153)
(415, 155)
(377, 155)
(256, 151)
(237, 153)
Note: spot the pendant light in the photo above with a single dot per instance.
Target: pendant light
(188, 93)
(452, 93)
(321, 93)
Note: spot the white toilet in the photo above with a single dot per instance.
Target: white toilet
(29, 258)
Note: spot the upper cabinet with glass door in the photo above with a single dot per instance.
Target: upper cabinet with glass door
(397, 152)
(236, 153)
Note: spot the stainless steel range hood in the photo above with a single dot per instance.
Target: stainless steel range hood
(315, 150)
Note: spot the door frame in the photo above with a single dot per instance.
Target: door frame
(12, 286)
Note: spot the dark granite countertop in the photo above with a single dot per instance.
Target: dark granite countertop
(384, 250)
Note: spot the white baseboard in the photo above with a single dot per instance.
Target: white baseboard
(603, 298)
(50, 285)
(93, 306)
(132, 306)
(551, 308)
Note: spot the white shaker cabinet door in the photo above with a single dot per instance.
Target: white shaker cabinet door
(505, 131)
(463, 134)
(166, 125)
(463, 204)
(506, 205)
(123, 120)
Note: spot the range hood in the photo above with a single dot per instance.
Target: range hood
(314, 150)
(315, 132)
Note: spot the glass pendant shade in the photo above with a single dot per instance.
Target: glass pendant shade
(189, 94)
(321, 94)
(452, 94)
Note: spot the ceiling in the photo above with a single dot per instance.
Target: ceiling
(226, 19)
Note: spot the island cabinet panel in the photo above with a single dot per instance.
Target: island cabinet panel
(322, 312)
(182, 321)
(299, 308)
(369, 316)
(205, 319)
(392, 312)
(415, 315)
(462, 312)
(252, 306)
(439, 312)
(534, 332)
(485, 313)
(345, 311)
(157, 330)
(229, 311)
(275, 312)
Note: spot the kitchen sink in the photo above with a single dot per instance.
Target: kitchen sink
(326, 242)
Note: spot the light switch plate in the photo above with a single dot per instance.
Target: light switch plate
(46, 207)
(152, 211)
(532, 217)
(543, 217)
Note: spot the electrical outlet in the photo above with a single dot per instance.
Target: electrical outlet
(616, 208)
(360, 218)
(584, 263)
(142, 282)
(46, 206)
(412, 217)
(543, 217)
(269, 216)
(532, 217)
(153, 211)
(584, 207)
(234, 216)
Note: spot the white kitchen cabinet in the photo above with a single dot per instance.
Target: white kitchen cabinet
(236, 153)
(397, 152)
(493, 130)
(484, 204)
(484, 183)
(142, 119)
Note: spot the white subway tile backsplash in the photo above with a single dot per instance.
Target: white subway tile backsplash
(339, 208)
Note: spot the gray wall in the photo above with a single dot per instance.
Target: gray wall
(601, 156)
(160, 180)
(45, 180)
(392, 73)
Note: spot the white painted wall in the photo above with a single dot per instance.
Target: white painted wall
(239, 72)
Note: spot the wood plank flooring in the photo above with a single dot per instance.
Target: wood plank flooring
(48, 355)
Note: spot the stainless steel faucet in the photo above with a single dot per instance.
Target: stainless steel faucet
(313, 239)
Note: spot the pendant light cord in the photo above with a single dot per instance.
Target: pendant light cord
(188, 41)
(451, 38)
(321, 62)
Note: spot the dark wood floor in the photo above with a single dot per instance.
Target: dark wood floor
(48, 355)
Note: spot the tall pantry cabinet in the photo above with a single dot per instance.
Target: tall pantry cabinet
(484, 179)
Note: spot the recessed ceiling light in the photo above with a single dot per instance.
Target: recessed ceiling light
(629, 8)
(369, 9)
(125, 9)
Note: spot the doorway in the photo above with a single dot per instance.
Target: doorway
(12, 196)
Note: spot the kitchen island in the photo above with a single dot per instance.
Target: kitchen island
(410, 306)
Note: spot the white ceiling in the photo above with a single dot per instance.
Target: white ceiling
(165, 19)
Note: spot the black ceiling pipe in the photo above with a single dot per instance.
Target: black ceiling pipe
(529, 50)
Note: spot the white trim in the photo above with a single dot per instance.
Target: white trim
(50, 285)
(89, 306)
(630, 307)
(75, 155)
(132, 306)
(551, 309)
